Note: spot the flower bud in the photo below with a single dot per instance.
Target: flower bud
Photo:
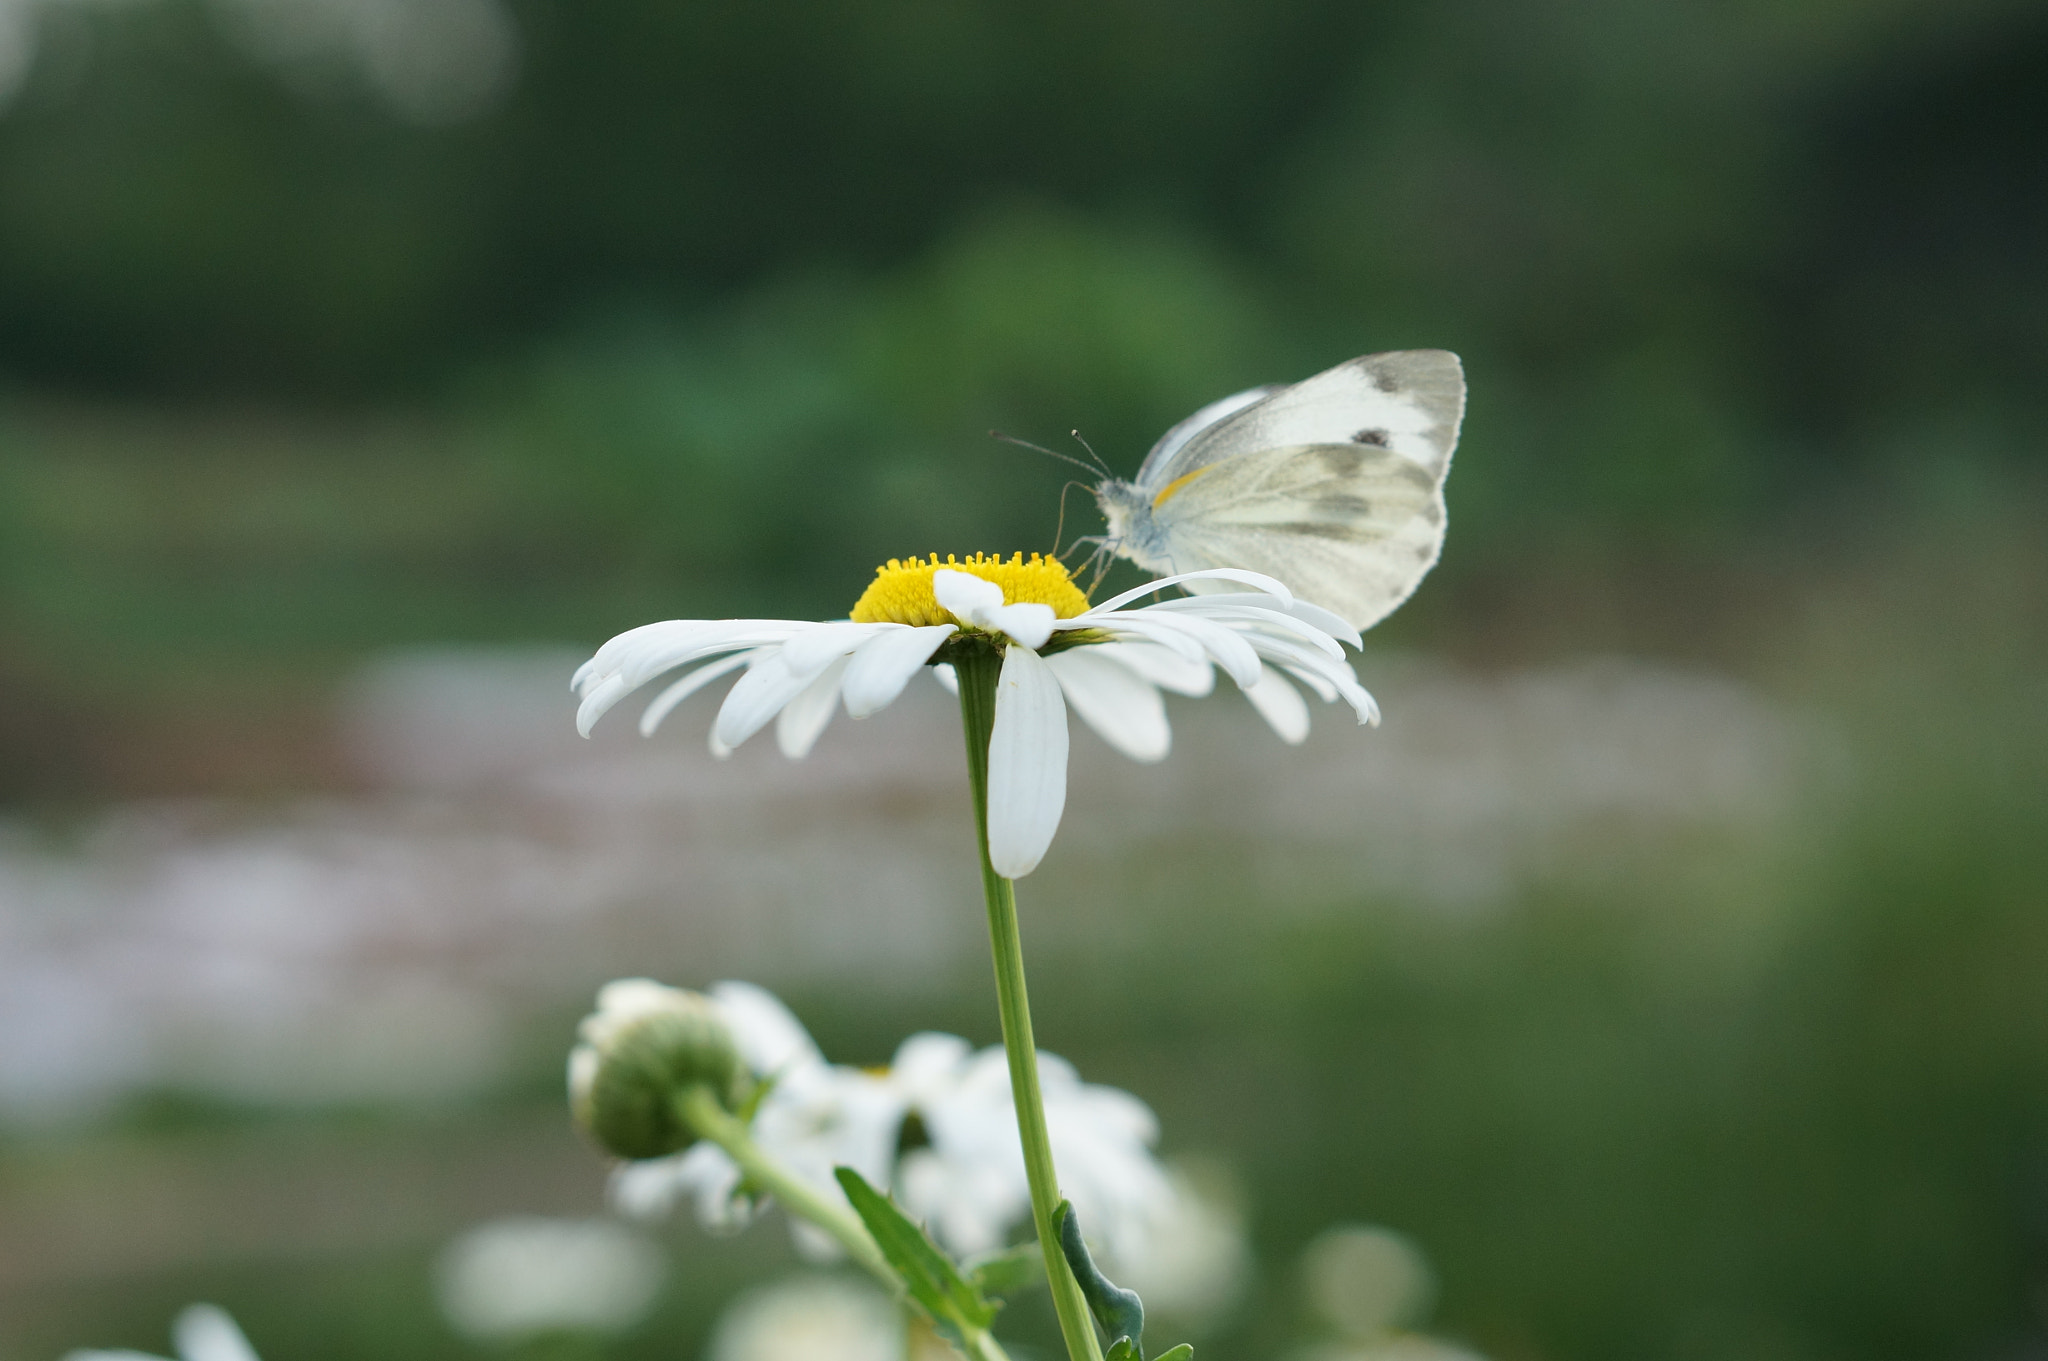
(642, 1048)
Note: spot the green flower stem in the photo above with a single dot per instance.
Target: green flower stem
(979, 669)
(700, 1109)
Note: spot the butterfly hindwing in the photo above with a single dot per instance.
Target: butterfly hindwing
(1351, 527)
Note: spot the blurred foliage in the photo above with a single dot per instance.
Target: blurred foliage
(1694, 259)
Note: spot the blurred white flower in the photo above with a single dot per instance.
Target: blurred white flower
(1109, 662)
(1371, 1285)
(1366, 1281)
(203, 1332)
(644, 1043)
(516, 1278)
(1195, 1261)
(817, 1116)
(810, 1318)
(967, 1182)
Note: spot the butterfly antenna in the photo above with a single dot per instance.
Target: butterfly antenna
(1039, 448)
(1104, 467)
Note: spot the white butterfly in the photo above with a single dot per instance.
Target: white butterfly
(1335, 485)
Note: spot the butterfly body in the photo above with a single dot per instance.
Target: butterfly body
(1333, 485)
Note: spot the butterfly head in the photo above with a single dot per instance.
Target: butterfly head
(1132, 532)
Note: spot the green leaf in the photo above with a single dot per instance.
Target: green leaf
(930, 1276)
(751, 1105)
(1120, 1312)
(1183, 1352)
(1123, 1349)
(1007, 1270)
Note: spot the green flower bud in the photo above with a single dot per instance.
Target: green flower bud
(642, 1048)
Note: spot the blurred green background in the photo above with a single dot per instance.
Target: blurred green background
(532, 323)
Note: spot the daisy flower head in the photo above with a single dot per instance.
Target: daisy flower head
(963, 1176)
(1019, 622)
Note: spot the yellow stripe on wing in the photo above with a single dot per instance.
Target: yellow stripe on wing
(1170, 488)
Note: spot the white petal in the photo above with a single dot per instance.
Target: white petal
(1338, 675)
(980, 603)
(665, 702)
(1110, 698)
(1324, 691)
(1029, 623)
(758, 697)
(813, 1244)
(204, 1332)
(1233, 609)
(1230, 649)
(1133, 624)
(947, 677)
(884, 665)
(927, 1064)
(802, 720)
(1329, 621)
(602, 696)
(966, 594)
(769, 1036)
(820, 645)
(1280, 704)
(1027, 764)
(1162, 666)
(648, 1190)
(643, 653)
(1253, 579)
(638, 655)
(645, 1190)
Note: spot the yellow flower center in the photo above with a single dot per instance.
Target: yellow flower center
(901, 592)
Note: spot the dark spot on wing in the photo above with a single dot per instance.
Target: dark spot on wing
(1385, 381)
(1316, 529)
(1415, 474)
(1341, 460)
(1376, 438)
(1343, 503)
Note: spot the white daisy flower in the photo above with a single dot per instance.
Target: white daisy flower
(203, 1332)
(1109, 662)
(967, 1183)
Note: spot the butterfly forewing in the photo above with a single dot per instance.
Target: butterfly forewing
(1173, 441)
(1409, 401)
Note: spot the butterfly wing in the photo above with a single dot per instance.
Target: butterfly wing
(1350, 528)
(1408, 401)
(1151, 473)
(1333, 485)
